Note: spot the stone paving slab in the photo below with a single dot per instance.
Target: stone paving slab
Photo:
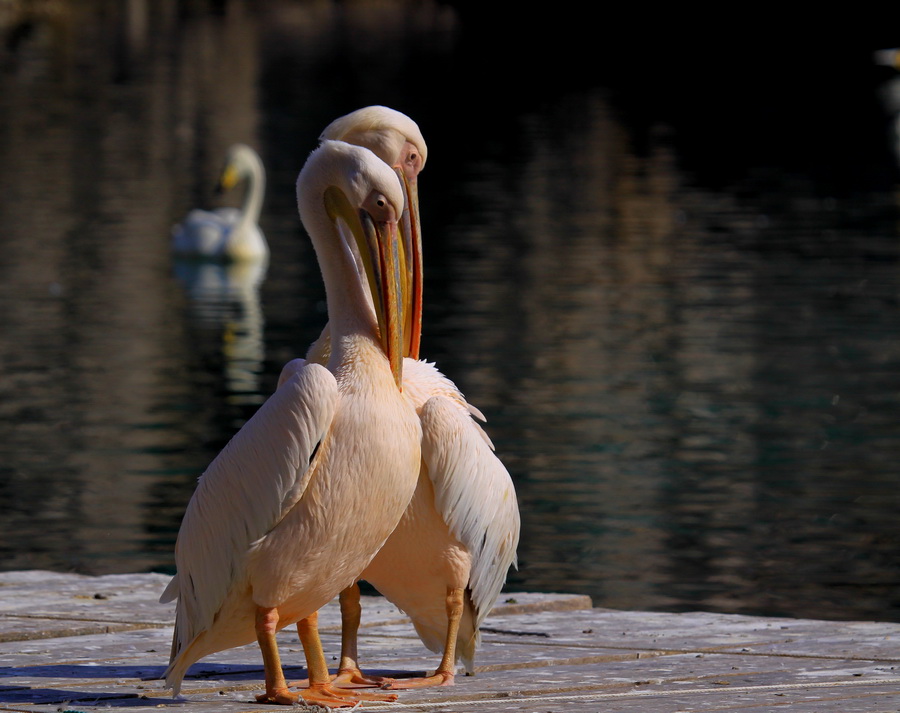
(39, 604)
(704, 631)
(540, 653)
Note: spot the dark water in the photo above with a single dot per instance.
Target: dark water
(673, 287)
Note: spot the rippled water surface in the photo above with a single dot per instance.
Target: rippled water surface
(677, 304)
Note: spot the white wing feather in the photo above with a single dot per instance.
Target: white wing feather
(293, 367)
(205, 232)
(244, 493)
(474, 494)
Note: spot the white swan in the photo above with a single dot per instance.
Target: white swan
(228, 233)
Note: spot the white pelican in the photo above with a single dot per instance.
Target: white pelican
(396, 140)
(447, 560)
(228, 233)
(296, 505)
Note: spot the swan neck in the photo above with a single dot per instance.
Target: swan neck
(256, 188)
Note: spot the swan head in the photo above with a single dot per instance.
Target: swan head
(241, 163)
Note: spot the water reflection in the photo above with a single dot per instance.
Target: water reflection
(686, 380)
(693, 381)
(224, 304)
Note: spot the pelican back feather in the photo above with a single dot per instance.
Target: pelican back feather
(244, 493)
(474, 494)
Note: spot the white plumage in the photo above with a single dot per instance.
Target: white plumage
(462, 526)
(228, 233)
(245, 492)
(446, 562)
(299, 501)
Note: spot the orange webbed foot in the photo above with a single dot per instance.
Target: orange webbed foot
(349, 679)
(440, 678)
(353, 677)
(322, 695)
(278, 696)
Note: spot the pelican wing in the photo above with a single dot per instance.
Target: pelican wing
(244, 493)
(291, 369)
(473, 493)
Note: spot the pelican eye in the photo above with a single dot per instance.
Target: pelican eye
(380, 208)
(411, 160)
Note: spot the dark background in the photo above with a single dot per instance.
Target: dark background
(661, 256)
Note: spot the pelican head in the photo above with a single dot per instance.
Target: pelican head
(350, 203)
(396, 140)
(389, 134)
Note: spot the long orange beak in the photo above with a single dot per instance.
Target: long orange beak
(390, 299)
(387, 266)
(411, 232)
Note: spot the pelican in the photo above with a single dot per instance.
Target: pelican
(304, 495)
(396, 140)
(447, 560)
(228, 233)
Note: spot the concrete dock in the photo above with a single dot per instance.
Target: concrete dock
(70, 644)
